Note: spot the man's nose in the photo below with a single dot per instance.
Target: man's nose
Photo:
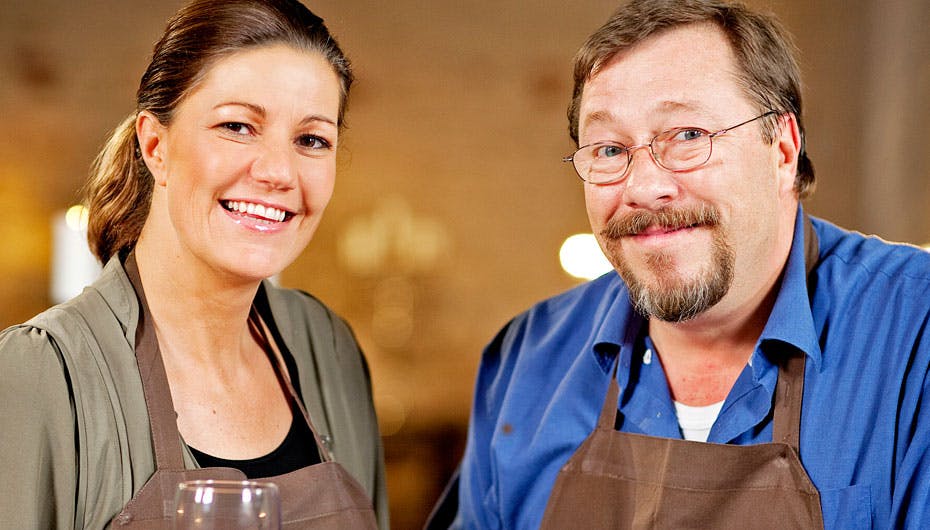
(647, 184)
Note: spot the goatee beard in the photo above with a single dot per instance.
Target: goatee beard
(668, 296)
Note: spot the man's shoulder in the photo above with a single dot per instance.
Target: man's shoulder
(591, 297)
(569, 321)
(870, 257)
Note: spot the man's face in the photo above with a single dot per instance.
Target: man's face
(711, 240)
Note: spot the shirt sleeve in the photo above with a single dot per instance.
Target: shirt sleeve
(478, 506)
(911, 493)
(37, 433)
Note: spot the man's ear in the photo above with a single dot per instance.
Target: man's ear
(152, 135)
(789, 144)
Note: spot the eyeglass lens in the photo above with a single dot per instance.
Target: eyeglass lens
(674, 150)
(678, 149)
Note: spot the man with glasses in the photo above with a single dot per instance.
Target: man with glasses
(749, 366)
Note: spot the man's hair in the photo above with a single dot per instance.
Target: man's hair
(766, 66)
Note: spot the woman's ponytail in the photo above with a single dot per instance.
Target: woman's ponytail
(118, 194)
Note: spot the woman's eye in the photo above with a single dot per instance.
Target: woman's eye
(237, 128)
(311, 141)
(609, 151)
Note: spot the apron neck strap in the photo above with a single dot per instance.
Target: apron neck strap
(789, 391)
(811, 248)
(608, 417)
(166, 439)
(261, 334)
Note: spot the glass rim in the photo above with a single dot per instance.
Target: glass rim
(226, 485)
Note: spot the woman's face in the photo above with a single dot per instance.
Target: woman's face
(247, 165)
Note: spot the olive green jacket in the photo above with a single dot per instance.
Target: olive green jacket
(75, 442)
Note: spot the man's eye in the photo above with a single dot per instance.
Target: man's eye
(310, 141)
(608, 151)
(685, 135)
(237, 128)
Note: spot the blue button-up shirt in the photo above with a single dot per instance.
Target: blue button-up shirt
(864, 435)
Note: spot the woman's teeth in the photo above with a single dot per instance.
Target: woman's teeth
(256, 210)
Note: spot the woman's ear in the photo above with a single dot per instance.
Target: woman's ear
(151, 135)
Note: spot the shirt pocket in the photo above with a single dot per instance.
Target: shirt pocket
(847, 508)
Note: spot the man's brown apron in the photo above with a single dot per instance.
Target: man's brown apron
(322, 496)
(624, 480)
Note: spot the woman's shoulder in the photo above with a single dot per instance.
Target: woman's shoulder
(69, 379)
(37, 436)
(46, 332)
(27, 353)
(321, 342)
(107, 306)
(84, 341)
(299, 313)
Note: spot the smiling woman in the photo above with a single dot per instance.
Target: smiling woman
(258, 131)
(217, 181)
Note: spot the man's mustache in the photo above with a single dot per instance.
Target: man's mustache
(635, 223)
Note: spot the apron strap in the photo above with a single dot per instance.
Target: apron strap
(811, 248)
(166, 439)
(260, 332)
(789, 390)
(609, 409)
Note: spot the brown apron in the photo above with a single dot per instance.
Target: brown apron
(322, 496)
(624, 480)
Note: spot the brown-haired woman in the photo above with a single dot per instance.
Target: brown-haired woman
(181, 362)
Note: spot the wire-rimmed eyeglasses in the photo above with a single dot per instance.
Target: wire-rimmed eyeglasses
(678, 149)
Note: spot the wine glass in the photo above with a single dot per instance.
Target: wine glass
(227, 504)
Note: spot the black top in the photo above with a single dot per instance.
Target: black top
(298, 450)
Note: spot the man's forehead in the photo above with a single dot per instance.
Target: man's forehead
(606, 114)
(695, 37)
(686, 70)
(681, 48)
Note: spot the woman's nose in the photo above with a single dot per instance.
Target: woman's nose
(275, 167)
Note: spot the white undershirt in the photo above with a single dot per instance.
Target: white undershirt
(695, 422)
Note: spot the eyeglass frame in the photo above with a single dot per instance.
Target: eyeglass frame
(629, 150)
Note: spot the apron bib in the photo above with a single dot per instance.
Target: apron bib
(322, 496)
(624, 480)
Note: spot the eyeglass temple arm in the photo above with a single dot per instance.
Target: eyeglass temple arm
(728, 129)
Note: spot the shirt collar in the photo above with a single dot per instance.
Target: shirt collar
(116, 290)
(619, 327)
(791, 321)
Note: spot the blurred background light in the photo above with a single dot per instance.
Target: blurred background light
(73, 264)
(582, 258)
